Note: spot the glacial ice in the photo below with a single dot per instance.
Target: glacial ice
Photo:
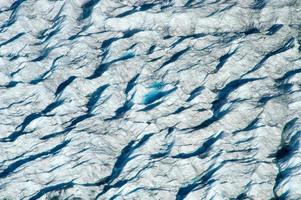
(150, 99)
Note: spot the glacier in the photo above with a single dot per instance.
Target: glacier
(150, 99)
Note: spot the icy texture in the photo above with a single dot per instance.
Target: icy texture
(150, 99)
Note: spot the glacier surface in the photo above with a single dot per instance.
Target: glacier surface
(150, 99)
